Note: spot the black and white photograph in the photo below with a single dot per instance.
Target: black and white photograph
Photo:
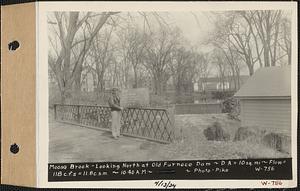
(126, 86)
(170, 86)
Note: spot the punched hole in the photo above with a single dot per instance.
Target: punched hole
(14, 45)
(14, 148)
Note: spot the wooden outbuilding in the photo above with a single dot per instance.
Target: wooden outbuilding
(265, 99)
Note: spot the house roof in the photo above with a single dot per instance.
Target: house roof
(268, 82)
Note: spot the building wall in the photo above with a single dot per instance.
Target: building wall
(269, 114)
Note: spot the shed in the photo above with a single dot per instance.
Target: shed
(265, 99)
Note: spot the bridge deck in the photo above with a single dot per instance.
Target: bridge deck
(71, 143)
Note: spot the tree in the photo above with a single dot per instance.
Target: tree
(218, 58)
(67, 65)
(238, 37)
(188, 66)
(124, 64)
(232, 61)
(102, 53)
(158, 56)
(266, 24)
(286, 44)
(254, 36)
(202, 68)
(133, 43)
(179, 67)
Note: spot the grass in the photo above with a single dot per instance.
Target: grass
(191, 143)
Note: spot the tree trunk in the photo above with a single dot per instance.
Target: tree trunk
(77, 88)
(178, 91)
(135, 85)
(63, 89)
(266, 56)
(251, 70)
(275, 45)
(101, 81)
(238, 78)
(64, 97)
(159, 83)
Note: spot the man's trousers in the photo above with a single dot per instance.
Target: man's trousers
(116, 123)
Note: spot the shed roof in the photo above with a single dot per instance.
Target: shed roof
(268, 82)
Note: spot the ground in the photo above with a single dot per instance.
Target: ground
(70, 143)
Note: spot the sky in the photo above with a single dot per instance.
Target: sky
(195, 25)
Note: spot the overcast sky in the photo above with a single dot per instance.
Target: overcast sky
(195, 25)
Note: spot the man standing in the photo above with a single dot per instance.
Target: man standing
(114, 103)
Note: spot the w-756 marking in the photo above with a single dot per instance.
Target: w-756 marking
(273, 183)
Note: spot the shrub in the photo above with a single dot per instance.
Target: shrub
(216, 133)
(277, 141)
(244, 133)
(221, 95)
(232, 107)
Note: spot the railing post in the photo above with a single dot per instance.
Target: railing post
(55, 112)
(171, 114)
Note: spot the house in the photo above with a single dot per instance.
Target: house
(229, 83)
(265, 99)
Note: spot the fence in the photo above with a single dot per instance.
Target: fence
(149, 123)
(205, 108)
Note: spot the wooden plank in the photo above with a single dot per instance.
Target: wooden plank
(274, 115)
(18, 95)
